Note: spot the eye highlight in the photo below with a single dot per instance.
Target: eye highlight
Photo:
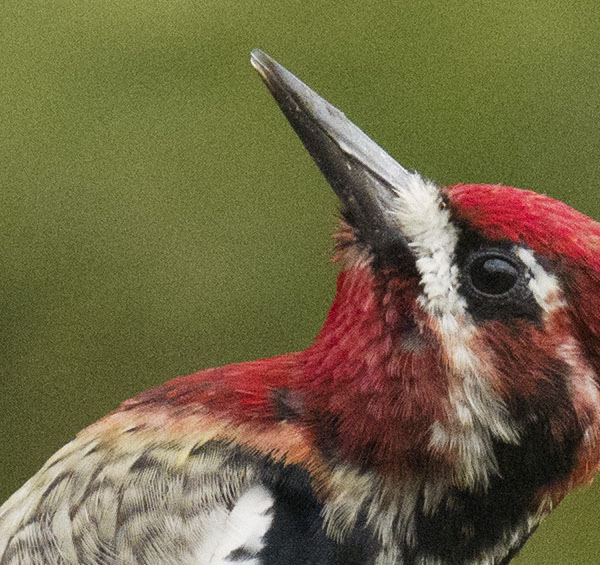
(493, 274)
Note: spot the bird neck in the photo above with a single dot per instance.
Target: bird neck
(373, 379)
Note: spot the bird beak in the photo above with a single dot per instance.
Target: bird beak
(365, 178)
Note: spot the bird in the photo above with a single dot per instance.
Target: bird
(448, 404)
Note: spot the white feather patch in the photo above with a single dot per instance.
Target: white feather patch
(425, 222)
(241, 529)
(544, 287)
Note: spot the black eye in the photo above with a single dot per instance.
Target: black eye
(493, 275)
(494, 281)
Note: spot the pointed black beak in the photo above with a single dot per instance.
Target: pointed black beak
(361, 173)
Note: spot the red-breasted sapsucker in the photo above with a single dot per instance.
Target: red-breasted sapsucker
(449, 402)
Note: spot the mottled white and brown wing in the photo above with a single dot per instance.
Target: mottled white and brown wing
(97, 503)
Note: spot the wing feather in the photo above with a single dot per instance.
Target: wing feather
(94, 503)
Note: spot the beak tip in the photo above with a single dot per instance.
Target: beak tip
(266, 66)
(257, 58)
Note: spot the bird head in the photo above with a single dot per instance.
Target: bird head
(463, 342)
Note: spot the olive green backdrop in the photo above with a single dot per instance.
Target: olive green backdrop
(158, 215)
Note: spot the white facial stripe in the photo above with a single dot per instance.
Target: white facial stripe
(544, 287)
(419, 212)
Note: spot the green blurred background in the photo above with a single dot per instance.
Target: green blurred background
(159, 216)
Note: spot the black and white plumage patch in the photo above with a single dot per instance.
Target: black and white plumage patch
(236, 535)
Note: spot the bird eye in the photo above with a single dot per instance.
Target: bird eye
(493, 275)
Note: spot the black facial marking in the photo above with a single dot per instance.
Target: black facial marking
(493, 280)
(541, 458)
(371, 232)
(395, 257)
(552, 432)
(388, 254)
